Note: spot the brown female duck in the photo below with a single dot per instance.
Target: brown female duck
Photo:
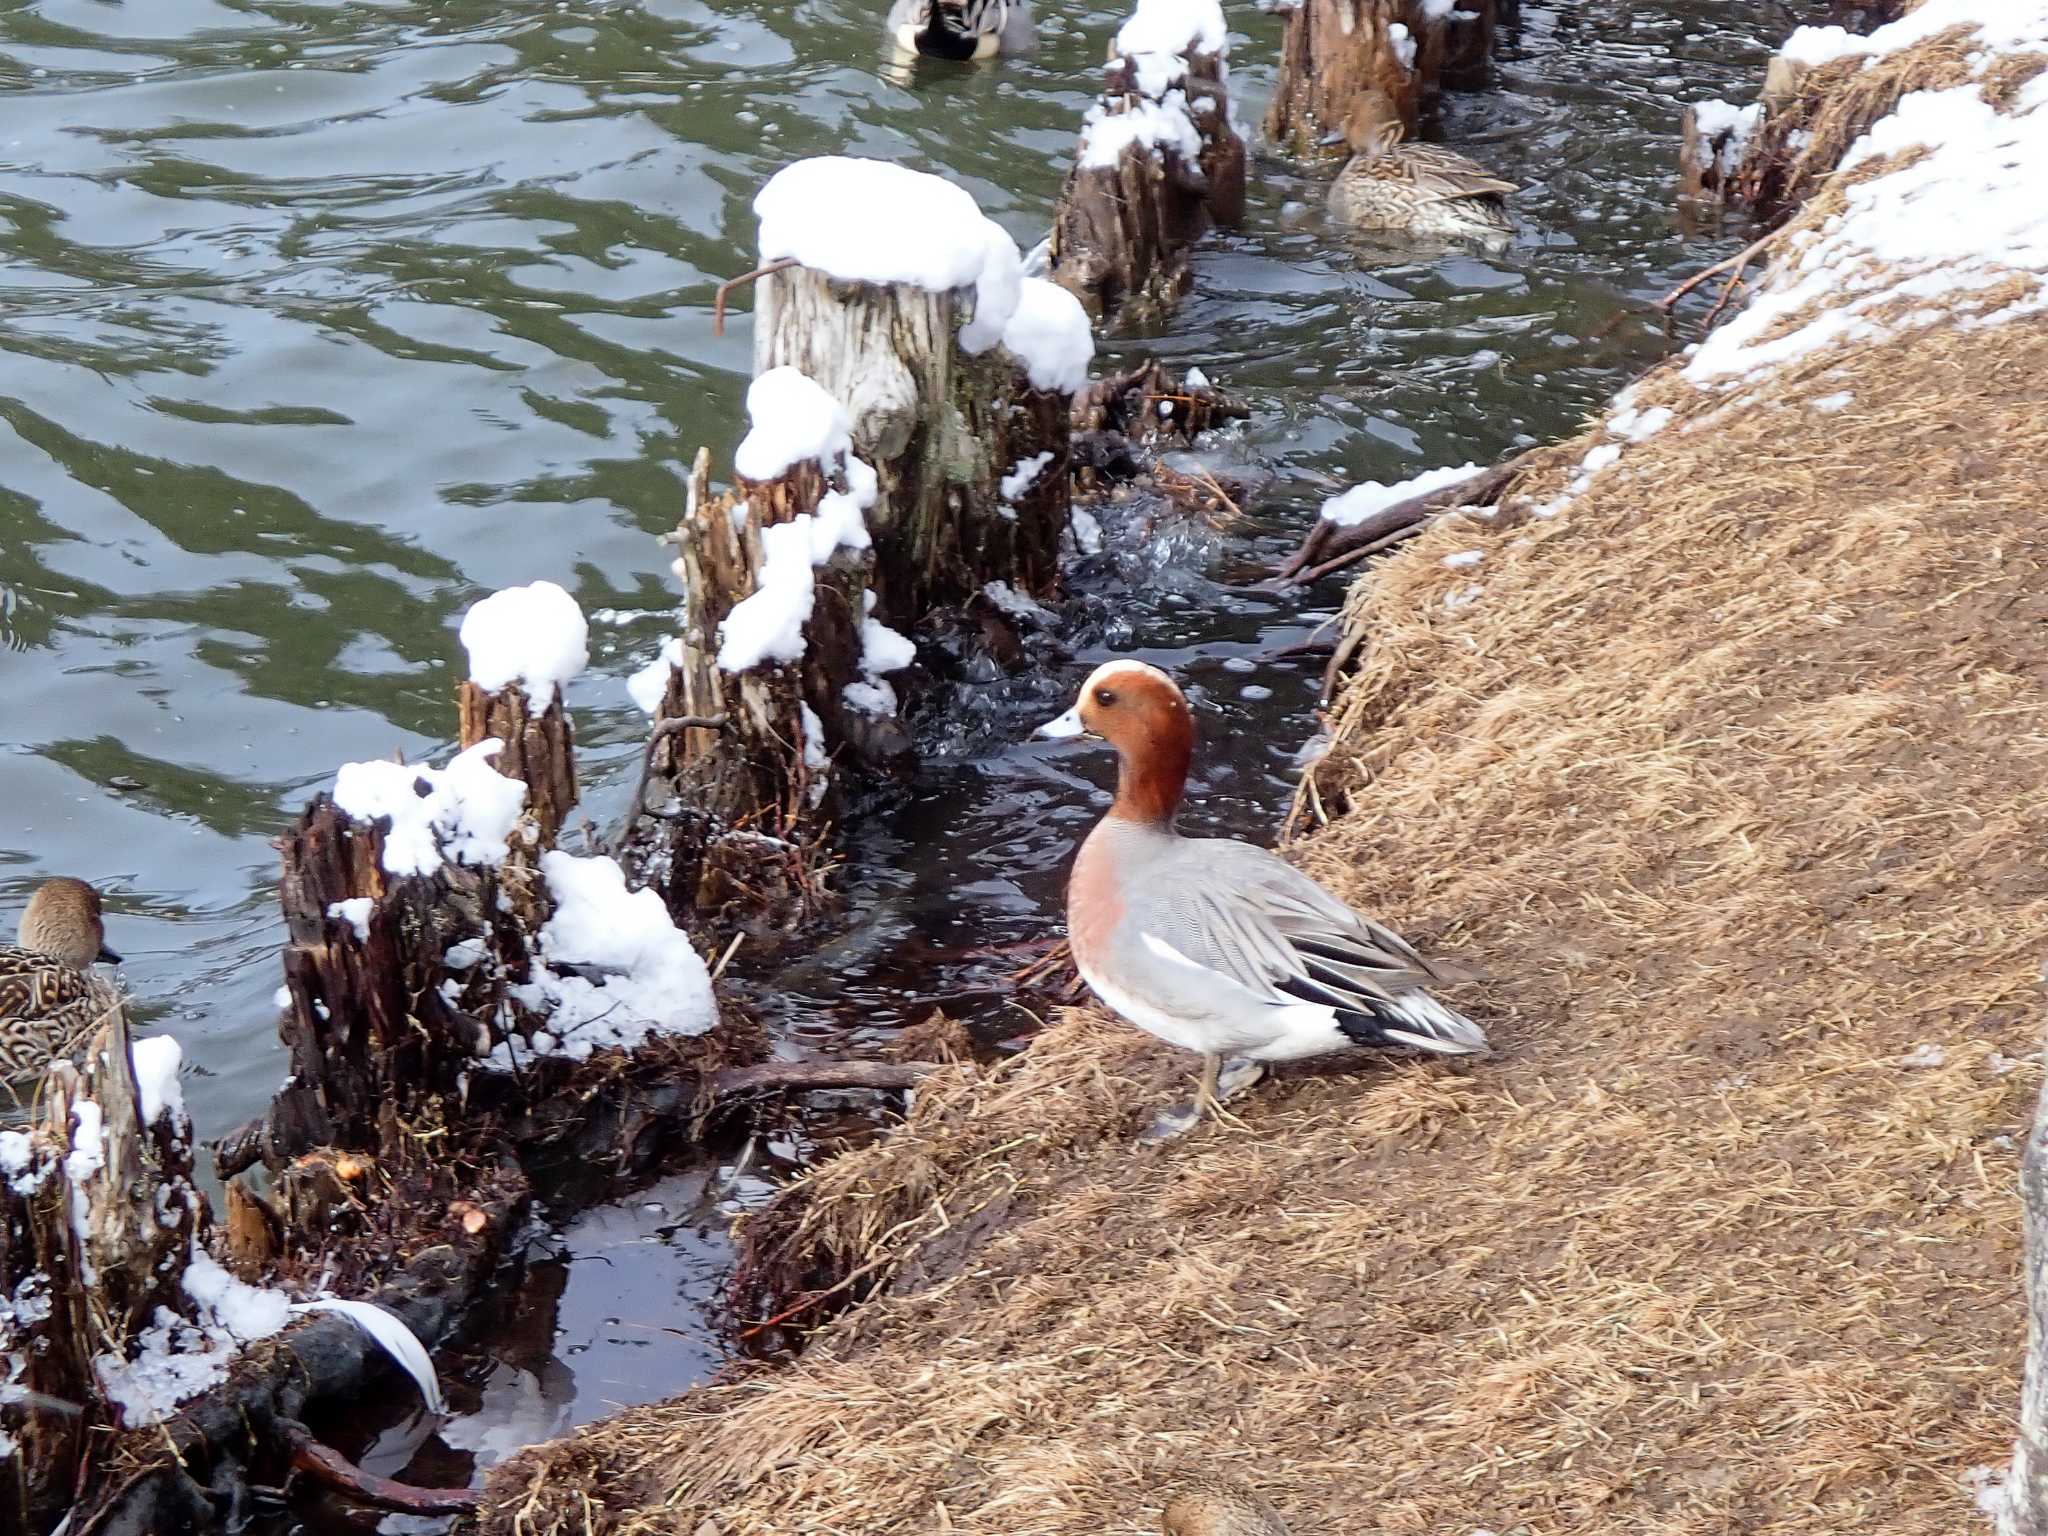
(1418, 189)
(50, 997)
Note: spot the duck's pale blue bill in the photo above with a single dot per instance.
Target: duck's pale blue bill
(1066, 726)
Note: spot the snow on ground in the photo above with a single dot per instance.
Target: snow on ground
(464, 811)
(871, 221)
(535, 636)
(1361, 501)
(1918, 241)
(2003, 26)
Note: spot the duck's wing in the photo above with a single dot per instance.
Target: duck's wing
(1019, 34)
(1251, 918)
(1443, 174)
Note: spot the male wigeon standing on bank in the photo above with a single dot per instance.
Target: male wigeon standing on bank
(1217, 946)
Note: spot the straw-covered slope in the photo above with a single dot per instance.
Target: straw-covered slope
(1727, 761)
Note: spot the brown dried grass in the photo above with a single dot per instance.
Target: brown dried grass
(1732, 778)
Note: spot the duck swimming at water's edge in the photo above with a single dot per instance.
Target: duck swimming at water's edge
(962, 29)
(1419, 189)
(50, 997)
(1218, 946)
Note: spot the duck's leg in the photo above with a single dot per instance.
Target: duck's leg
(1240, 1075)
(1206, 1102)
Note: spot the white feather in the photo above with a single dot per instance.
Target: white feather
(396, 1340)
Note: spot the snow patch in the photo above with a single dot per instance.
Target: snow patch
(791, 418)
(1175, 26)
(869, 221)
(1404, 44)
(465, 811)
(534, 635)
(882, 650)
(356, 913)
(1361, 501)
(157, 1089)
(1964, 217)
(1023, 474)
(650, 683)
(177, 1358)
(1050, 335)
(650, 980)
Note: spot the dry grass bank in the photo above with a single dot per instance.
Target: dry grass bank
(1732, 775)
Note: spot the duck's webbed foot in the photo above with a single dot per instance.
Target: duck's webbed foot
(1208, 1100)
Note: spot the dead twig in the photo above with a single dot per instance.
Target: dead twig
(767, 269)
(330, 1469)
(1735, 264)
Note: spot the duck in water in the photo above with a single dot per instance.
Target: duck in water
(1214, 945)
(50, 998)
(1418, 189)
(962, 29)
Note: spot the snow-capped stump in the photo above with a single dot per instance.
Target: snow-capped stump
(1159, 164)
(892, 292)
(98, 1215)
(778, 592)
(1336, 50)
(524, 643)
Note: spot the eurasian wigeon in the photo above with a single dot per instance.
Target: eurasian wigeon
(1213, 945)
(50, 998)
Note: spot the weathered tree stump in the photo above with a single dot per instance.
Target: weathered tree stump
(909, 445)
(947, 384)
(98, 1215)
(1337, 50)
(1160, 163)
(756, 710)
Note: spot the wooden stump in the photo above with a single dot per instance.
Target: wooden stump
(1336, 50)
(1136, 200)
(98, 1214)
(941, 429)
(383, 1028)
(539, 750)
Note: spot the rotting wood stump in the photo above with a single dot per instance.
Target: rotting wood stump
(1337, 50)
(940, 427)
(742, 762)
(1137, 201)
(98, 1213)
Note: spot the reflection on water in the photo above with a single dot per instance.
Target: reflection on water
(323, 319)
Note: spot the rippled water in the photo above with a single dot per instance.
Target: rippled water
(321, 320)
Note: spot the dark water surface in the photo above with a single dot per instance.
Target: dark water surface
(319, 321)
